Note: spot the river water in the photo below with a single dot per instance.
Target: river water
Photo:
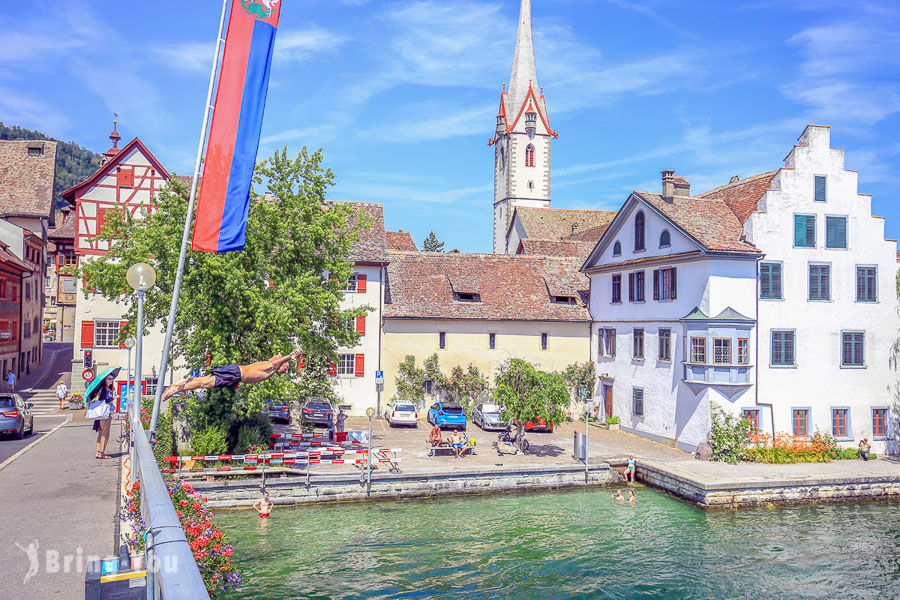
(572, 544)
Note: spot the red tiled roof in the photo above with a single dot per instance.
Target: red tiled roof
(562, 224)
(743, 195)
(371, 245)
(710, 221)
(72, 193)
(26, 181)
(7, 257)
(570, 248)
(400, 240)
(420, 285)
(63, 231)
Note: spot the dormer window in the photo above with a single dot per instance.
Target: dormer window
(562, 299)
(35, 149)
(466, 297)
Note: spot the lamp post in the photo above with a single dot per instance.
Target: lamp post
(370, 412)
(129, 343)
(141, 277)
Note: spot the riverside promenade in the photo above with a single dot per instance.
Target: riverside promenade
(60, 504)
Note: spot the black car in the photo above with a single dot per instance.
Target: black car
(279, 410)
(316, 411)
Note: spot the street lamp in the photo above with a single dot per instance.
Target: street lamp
(370, 412)
(141, 277)
(129, 343)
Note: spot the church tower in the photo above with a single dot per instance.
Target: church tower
(522, 141)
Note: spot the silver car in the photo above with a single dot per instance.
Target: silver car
(15, 416)
(402, 412)
(487, 416)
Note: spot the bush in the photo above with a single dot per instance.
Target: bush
(727, 436)
(209, 441)
(787, 448)
(249, 431)
(613, 421)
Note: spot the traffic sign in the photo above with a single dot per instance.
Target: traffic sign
(379, 376)
(87, 374)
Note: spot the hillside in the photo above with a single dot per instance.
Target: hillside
(73, 163)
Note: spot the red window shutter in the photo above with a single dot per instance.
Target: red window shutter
(126, 176)
(122, 325)
(87, 334)
(361, 284)
(360, 365)
(101, 219)
(361, 325)
(332, 369)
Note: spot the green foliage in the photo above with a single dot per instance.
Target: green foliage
(283, 291)
(613, 421)
(526, 393)
(165, 431)
(314, 381)
(432, 244)
(74, 163)
(249, 431)
(728, 436)
(466, 386)
(410, 379)
(209, 441)
(581, 379)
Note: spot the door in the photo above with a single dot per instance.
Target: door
(607, 400)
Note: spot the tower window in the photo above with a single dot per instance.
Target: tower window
(530, 185)
(529, 155)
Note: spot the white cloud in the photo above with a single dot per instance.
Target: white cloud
(27, 111)
(299, 45)
(194, 57)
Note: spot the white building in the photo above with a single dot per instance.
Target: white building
(828, 310)
(673, 302)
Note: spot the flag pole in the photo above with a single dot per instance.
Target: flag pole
(179, 274)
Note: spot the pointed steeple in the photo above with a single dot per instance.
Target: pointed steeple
(524, 73)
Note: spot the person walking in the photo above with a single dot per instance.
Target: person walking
(61, 392)
(102, 425)
(10, 382)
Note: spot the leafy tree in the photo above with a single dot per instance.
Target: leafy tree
(727, 436)
(581, 378)
(526, 393)
(432, 244)
(410, 379)
(466, 386)
(315, 381)
(281, 292)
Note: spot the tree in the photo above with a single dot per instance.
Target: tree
(581, 378)
(281, 292)
(410, 379)
(466, 386)
(526, 393)
(432, 244)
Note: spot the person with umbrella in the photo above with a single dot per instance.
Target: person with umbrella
(101, 400)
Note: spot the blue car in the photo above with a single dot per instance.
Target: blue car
(447, 415)
(15, 416)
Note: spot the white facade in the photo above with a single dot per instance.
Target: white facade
(668, 397)
(818, 378)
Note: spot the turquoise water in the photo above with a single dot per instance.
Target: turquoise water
(575, 544)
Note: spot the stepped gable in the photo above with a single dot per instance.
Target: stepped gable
(710, 221)
(420, 285)
(27, 176)
(400, 240)
(742, 196)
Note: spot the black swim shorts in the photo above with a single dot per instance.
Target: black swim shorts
(227, 376)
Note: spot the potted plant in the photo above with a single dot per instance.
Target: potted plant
(76, 401)
(612, 423)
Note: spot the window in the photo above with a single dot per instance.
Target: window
(346, 364)
(804, 231)
(853, 349)
(28, 290)
(639, 231)
(770, 281)
(665, 239)
(638, 344)
(35, 326)
(820, 282)
(698, 350)
(608, 340)
(637, 401)
(68, 285)
(664, 284)
(562, 299)
(638, 284)
(544, 337)
(879, 422)
(836, 232)
(464, 297)
(783, 348)
(839, 418)
(429, 384)
(151, 382)
(529, 155)
(47, 282)
(616, 289)
(743, 351)
(820, 188)
(665, 344)
(351, 284)
(106, 333)
(752, 416)
(800, 421)
(617, 249)
(866, 284)
(492, 340)
(722, 351)
(52, 300)
(442, 340)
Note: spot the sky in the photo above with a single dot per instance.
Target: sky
(402, 94)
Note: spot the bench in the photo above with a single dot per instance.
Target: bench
(446, 448)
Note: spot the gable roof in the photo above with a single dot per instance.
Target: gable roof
(420, 285)
(742, 196)
(370, 247)
(26, 182)
(562, 223)
(728, 315)
(400, 240)
(63, 231)
(76, 190)
(7, 256)
(570, 248)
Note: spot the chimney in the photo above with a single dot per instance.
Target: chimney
(682, 187)
(668, 185)
(65, 210)
(734, 179)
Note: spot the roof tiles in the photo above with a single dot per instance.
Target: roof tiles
(27, 178)
(400, 240)
(742, 196)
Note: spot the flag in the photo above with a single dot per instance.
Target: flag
(224, 202)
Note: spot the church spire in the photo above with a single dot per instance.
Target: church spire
(524, 73)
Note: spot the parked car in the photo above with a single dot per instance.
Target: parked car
(279, 410)
(316, 411)
(487, 416)
(447, 415)
(401, 412)
(538, 424)
(15, 416)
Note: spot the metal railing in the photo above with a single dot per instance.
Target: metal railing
(172, 572)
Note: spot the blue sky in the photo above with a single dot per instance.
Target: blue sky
(402, 94)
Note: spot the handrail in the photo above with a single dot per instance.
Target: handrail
(172, 571)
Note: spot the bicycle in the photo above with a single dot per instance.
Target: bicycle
(507, 438)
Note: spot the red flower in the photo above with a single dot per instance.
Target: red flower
(179, 513)
(183, 503)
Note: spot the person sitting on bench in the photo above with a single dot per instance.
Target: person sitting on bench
(457, 443)
(434, 438)
(233, 375)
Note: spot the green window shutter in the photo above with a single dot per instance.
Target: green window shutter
(799, 230)
(810, 232)
(776, 281)
(820, 188)
(765, 281)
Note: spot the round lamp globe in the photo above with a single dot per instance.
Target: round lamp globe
(141, 277)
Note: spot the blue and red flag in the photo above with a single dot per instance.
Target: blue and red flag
(224, 203)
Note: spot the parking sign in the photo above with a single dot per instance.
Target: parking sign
(379, 376)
